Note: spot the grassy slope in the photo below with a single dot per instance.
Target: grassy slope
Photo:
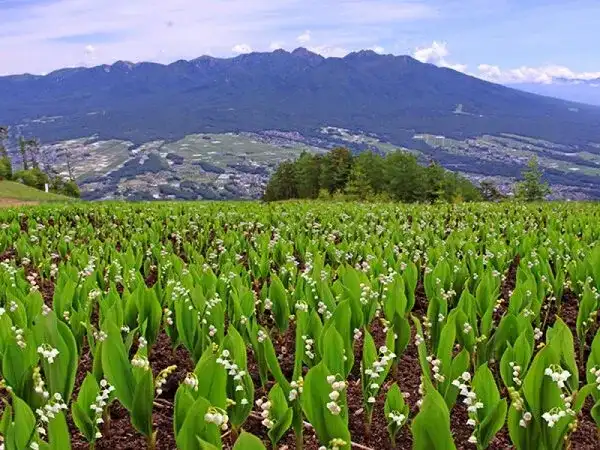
(17, 191)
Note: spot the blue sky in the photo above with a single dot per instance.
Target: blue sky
(501, 40)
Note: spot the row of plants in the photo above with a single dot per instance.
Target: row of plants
(477, 290)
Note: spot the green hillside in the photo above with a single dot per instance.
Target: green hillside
(11, 192)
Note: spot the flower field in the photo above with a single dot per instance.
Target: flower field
(300, 325)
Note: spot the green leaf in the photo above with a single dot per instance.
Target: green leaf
(247, 441)
(431, 427)
(315, 395)
(332, 343)
(141, 410)
(83, 416)
(58, 433)
(212, 379)
(280, 413)
(117, 367)
(394, 403)
(22, 426)
(279, 298)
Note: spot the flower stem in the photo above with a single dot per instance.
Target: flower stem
(151, 441)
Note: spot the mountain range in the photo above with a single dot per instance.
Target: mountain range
(487, 129)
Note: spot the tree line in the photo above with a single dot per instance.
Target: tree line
(367, 176)
(397, 176)
(33, 174)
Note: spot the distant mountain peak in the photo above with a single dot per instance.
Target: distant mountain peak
(305, 53)
(125, 65)
(363, 54)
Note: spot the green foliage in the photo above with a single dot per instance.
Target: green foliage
(288, 310)
(32, 177)
(532, 188)
(339, 176)
(5, 168)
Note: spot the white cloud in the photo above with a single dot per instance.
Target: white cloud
(90, 49)
(276, 45)
(241, 48)
(329, 51)
(304, 37)
(437, 53)
(544, 74)
(434, 54)
(378, 49)
(42, 36)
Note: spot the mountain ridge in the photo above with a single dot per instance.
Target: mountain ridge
(466, 123)
(387, 86)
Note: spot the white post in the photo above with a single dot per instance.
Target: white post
(46, 187)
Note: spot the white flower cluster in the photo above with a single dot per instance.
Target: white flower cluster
(217, 416)
(179, 292)
(322, 309)
(467, 328)
(100, 403)
(367, 294)
(142, 342)
(32, 281)
(265, 407)
(38, 383)
(553, 416)
(357, 334)
(397, 418)
(268, 304)
(191, 380)
(447, 295)
(89, 269)
(419, 339)
(161, 379)
(596, 372)
(297, 387)
(261, 336)
(526, 418)
(334, 395)
(516, 373)
(308, 346)
(558, 375)
(378, 366)
(141, 362)
(470, 399)
(168, 314)
(19, 336)
(302, 306)
(233, 371)
(49, 411)
(435, 367)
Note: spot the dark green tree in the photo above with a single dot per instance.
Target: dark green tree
(71, 189)
(405, 178)
(532, 188)
(282, 185)
(359, 185)
(5, 168)
(308, 170)
(435, 182)
(32, 177)
(5, 162)
(374, 166)
(335, 169)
